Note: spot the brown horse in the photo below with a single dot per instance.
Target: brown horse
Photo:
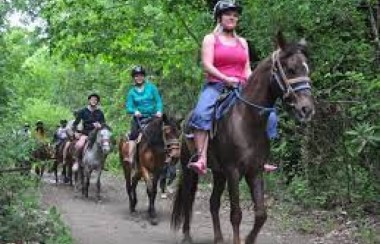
(40, 155)
(241, 146)
(159, 142)
(64, 156)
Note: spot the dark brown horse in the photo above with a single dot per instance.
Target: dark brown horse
(159, 142)
(241, 146)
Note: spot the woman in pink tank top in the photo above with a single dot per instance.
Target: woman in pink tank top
(225, 58)
(226, 64)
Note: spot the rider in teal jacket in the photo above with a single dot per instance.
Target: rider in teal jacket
(147, 101)
(143, 101)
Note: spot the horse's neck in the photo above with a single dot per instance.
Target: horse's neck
(95, 149)
(257, 89)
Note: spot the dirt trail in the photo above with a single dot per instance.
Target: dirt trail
(111, 222)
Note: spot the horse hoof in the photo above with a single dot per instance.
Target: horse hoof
(187, 240)
(219, 241)
(154, 221)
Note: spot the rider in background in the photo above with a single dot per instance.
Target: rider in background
(92, 117)
(39, 132)
(60, 134)
(71, 134)
(143, 101)
(26, 131)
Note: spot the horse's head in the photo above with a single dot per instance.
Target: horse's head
(103, 138)
(171, 133)
(50, 151)
(70, 132)
(291, 77)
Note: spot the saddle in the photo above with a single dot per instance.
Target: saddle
(224, 103)
(142, 124)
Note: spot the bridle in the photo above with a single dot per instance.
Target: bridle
(288, 86)
(104, 141)
(170, 144)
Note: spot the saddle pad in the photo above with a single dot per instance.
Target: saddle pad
(223, 104)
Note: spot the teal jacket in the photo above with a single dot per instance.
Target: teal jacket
(148, 102)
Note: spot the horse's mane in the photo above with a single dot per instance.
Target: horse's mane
(153, 132)
(92, 138)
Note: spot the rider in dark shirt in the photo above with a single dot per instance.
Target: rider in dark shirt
(92, 117)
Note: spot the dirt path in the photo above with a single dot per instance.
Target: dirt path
(111, 222)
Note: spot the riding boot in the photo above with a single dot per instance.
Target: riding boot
(131, 151)
(201, 144)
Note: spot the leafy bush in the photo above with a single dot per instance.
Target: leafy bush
(21, 216)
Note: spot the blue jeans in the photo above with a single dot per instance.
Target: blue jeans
(201, 118)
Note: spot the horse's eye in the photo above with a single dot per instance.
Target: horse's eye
(291, 71)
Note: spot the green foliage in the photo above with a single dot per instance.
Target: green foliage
(92, 45)
(36, 109)
(21, 217)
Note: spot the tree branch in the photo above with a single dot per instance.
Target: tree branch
(183, 22)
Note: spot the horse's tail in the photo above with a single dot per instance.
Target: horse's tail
(185, 194)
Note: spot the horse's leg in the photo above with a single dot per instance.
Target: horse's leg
(151, 188)
(87, 177)
(98, 185)
(55, 170)
(256, 184)
(69, 168)
(65, 174)
(152, 200)
(80, 178)
(236, 214)
(43, 166)
(128, 185)
(162, 183)
(217, 191)
(135, 181)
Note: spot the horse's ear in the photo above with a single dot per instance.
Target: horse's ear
(165, 118)
(280, 40)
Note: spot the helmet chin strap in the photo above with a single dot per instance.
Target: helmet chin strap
(228, 31)
(139, 84)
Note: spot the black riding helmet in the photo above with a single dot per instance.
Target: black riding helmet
(224, 6)
(63, 122)
(39, 123)
(94, 95)
(137, 70)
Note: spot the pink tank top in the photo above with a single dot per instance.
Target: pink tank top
(229, 60)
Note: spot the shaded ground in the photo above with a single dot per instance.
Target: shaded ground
(111, 222)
